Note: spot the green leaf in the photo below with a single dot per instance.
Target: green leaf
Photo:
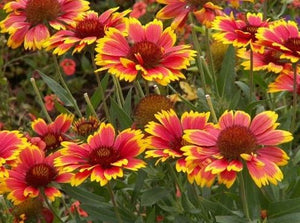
(151, 196)
(127, 104)
(284, 207)
(294, 217)
(57, 89)
(123, 118)
(230, 219)
(96, 97)
(225, 80)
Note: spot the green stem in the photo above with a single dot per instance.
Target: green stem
(50, 207)
(112, 196)
(171, 169)
(39, 97)
(61, 78)
(88, 102)
(183, 99)
(294, 111)
(120, 97)
(105, 107)
(211, 108)
(139, 89)
(251, 84)
(198, 57)
(243, 196)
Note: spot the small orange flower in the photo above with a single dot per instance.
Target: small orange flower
(139, 9)
(68, 66)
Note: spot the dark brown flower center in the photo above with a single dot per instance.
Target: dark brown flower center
(293, 44)
(236, 140)
(39, 11)
(89, 28)
(146, 53)
(273, 56)
(52, 141)
(40, 175)
(176, 144)
(103, 156)
(252, 30)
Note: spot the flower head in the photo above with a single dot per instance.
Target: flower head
(179, 10)
(238, 32)
(33, 174)
(148, 106)
(285, 82)
(54, 133)
(283, 36)
(139, 9)
(86, 31)
(148, 50)
(50, 101)
(86, 126)
(207, 14)
(28, 21)
(165, 136)
(235, 140)
(104, 155)
(68, 66)
(10, 144)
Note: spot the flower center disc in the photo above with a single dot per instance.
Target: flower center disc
(52, 141)
(146, 53)
(40, 175)
(89, 27)
(293, 44)
(39, 11)
(103, 156)
(236, 140)
(177, 144)
(252, 30)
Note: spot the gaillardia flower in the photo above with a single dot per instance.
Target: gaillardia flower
(28, 21)
(147, 50)
(86, 126)
(86, 31)
(283, 36)
(236, 3)
(239, 33)
(104, 155)
(236, 140)
(10, 144)
(165, 138)
(180, 9)
(207, 14)
(148, 106)
(54, 133)
(285, 82)
(268, 60)
(34, 173)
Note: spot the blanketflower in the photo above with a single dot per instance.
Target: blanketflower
(86, 31)
(10, 144)
(54, 133)
(180, 9)
(28, 21)
(236, 3)
(285, 82)
(104, 156)
(283, 36)
(239, 33)
(138, 9)
(148, 50)
(50, 101)
(165, 136)
(236, 140)
(207, 14)
(268, 60)
(34, 174)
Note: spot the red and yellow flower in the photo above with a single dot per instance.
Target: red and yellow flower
(180, 9)
(285, 82)
(236, 140)
(238, 32)
(104, 155)
(148, 50)
(54, 133)
(207, 14)
(283, 36)
(86, 31)
(236, 3)
(268, 60)
(28, 21)
(165, 138)
(34, 174)
(10, 144)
